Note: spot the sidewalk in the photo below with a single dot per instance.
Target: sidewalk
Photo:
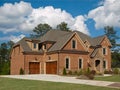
(56, 78)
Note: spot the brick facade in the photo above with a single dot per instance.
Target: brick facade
(82, 50)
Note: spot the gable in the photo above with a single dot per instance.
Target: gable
(79, 44)
(105, 42)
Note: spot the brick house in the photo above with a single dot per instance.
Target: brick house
(57, 50)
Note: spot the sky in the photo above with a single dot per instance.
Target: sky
(19, 17)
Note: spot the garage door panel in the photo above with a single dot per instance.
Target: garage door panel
(51, 67)
(34, 67)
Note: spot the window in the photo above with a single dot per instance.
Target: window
(34, 45)
(104, 64)
(73, 44)
(80, 63)
(104, 51)
(67, 63)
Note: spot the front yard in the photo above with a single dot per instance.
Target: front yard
(17, 84)
(114, 78)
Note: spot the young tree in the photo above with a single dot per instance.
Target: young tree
(40, 30)
(111, 34)
(63, 26)
(5, 49)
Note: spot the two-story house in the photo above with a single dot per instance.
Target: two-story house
(57, 50)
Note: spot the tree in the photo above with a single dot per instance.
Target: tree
(111, 34)
(40, 30)
(63, 26)
(5, 49)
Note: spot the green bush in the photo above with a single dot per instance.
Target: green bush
(70, 72)
(80, 72)
(75, 72)
(108, 72)
(64, 72)
(116, 71)
(21, 71)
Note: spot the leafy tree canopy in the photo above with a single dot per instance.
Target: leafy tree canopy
(40, 30)
(63, 27)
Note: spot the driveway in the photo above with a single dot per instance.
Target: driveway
(56, 78)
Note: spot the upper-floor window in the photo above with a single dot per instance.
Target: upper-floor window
(80, 63)
(73, 44)
(34, 45)
(104, 51)
(67, 62)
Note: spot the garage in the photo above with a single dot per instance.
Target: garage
(51, 67)
(34, 68)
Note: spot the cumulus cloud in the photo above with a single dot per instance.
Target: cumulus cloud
(17, 38)
(12, 38)
(107, 14)
(22, 17)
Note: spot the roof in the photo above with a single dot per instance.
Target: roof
(60, 38)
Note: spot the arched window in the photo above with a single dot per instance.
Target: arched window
(80, 63)
(67, 62)
(73, 44)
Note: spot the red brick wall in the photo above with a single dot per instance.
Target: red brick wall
(73, 61)
(79, 44)
(17, 60)
(107, 57)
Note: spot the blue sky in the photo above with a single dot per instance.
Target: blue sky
(18, 18)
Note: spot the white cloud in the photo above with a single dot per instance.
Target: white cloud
(22, 17)
(107, 14)
(17, 38)
(12, 38)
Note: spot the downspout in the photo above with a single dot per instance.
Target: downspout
(58, 63)
(24, 65)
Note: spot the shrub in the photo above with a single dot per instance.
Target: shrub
(93, 72)
(70, 72)
(87, 72)
(64, 72)
(115, 71)
(21, 71)
(80, 72)
(108, 72)
(75, 72)
(90, 76)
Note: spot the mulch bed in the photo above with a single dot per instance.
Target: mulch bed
(115, 85)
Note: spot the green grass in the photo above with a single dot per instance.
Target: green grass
(114, 78)
(18, 84)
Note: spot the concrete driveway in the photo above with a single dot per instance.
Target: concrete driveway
(56, 78)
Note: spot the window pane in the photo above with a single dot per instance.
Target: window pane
(80, 63)
(104, 51)
(34, 45)
(67, 63)
(73, 44)
(104, 64)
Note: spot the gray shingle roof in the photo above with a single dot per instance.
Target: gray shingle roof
(60, 38)
(23, 44)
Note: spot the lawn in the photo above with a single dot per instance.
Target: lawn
(114, 78)
(17, 84)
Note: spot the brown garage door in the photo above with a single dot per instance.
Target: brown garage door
(51, 67)
(34, 67)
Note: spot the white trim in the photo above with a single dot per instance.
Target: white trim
(82, 63)
(69, 63)
(106, 64)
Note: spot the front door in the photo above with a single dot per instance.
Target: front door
(97, 65)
